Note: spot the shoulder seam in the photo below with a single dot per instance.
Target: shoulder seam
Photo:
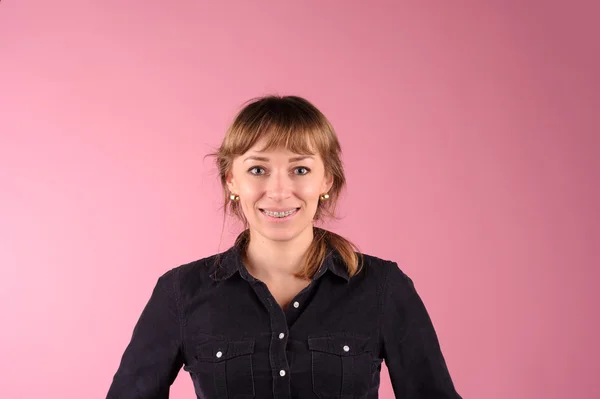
(384, 279)
(177, 290)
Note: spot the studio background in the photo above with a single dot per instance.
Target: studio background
(470, 138)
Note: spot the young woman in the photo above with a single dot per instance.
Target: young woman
(290, 310)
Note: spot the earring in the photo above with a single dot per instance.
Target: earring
(324, 197)
(234, 198)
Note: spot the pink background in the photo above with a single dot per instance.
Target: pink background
(470, 137)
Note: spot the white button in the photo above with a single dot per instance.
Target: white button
(219, 354)
(282, 373)
(346, 348)
(296, 305)
(281, 335)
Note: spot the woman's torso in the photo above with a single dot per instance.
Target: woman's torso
(239, 342)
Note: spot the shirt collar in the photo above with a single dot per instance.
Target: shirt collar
(228, 263)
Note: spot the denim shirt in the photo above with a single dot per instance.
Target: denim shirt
(227, 331)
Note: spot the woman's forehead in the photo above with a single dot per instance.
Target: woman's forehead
(262, 147)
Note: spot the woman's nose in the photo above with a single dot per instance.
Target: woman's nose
(279, 186)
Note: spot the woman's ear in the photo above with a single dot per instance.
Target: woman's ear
(230, 181)
(328, 183)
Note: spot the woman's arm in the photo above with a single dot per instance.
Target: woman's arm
(411, 349)
(153, 356)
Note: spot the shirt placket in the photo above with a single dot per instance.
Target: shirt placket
(277, 348)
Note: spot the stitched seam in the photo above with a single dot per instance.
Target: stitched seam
(177, 290)
(381, 310)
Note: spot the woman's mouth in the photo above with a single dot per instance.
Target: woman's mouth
(280, 215)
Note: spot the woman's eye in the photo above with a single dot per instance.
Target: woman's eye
(302, 170)
(256, 170)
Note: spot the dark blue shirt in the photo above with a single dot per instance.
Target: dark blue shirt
(225, 328)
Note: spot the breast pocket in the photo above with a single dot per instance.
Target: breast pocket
(341, 365)
(223, 368)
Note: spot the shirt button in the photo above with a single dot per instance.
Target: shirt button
(346, 348)
(296, 305)
(219, 354)
(281, 335)
(282, 373)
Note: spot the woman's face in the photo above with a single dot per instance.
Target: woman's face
(279, 190)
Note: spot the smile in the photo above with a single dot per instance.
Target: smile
(280, 215)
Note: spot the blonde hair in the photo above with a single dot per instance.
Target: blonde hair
(293, 123)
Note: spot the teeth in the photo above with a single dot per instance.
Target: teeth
(279, 214)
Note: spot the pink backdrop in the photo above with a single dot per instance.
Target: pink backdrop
(471, 144)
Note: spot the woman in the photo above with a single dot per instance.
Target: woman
(290, 310)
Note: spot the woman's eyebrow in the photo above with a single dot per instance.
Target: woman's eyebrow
(300, 158)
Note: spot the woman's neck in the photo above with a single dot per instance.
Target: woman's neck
(276, 260)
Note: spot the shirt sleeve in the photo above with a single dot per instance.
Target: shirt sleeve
(411, 348)
(153, 357)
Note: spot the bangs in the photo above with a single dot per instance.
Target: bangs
(294, 125)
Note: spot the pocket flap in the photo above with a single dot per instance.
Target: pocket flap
(218, 350)
(342, 344)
